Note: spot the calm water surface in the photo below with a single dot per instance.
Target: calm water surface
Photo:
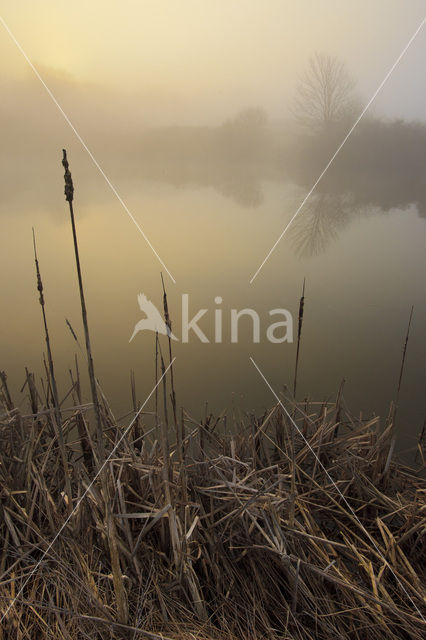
(364, 266)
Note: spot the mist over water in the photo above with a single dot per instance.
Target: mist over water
(213, 187)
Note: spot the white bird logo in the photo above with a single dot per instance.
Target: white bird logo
(153, 320)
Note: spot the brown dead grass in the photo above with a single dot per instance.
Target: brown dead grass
(227, 535)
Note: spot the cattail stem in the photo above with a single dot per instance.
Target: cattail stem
(169, 334)
(299, 333)
(5, 390)
(69, 195)
(165, 444)
(57, 410)
(421, 441)
(401, 371)
(135, 404)
(156, 382)
(109, 521)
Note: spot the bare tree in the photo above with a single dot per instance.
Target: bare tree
(324, 93)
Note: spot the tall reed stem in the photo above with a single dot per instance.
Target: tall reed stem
(69, 196)
(299, 333)
(122, 610)
(404, 353)
(401, 371)
(169, 333)
(57, 410)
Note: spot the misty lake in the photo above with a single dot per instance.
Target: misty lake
(249, 178)
(364, 266)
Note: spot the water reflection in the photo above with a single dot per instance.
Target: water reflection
(320, 221)
(213, 199)
(381, 165)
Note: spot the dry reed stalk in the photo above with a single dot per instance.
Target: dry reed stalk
(338, 406)
(401, 371)
(421, 443)
(165, 427)
(181, 458)
(83, 432)
(299, 334)
(32, 390)
(109, 522)
(135, 405)
(156, 381)
(404, 353)
(8, 402)
(293, 488)
(169, 333)
(56, 406)
(69, 196)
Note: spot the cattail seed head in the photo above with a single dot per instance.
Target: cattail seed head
(69, 187)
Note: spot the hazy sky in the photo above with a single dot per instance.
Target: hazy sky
(199, 60)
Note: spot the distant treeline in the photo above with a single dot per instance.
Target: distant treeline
(382, 163)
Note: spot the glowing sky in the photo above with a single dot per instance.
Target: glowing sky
(199, 60)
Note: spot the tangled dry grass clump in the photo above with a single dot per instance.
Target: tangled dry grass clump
(259, 530)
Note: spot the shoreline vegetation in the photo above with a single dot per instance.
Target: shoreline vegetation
(381, 168)
(255, 530)
(296, 524)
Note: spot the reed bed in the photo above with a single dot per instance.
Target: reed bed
(298, 524)
(253, 530)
